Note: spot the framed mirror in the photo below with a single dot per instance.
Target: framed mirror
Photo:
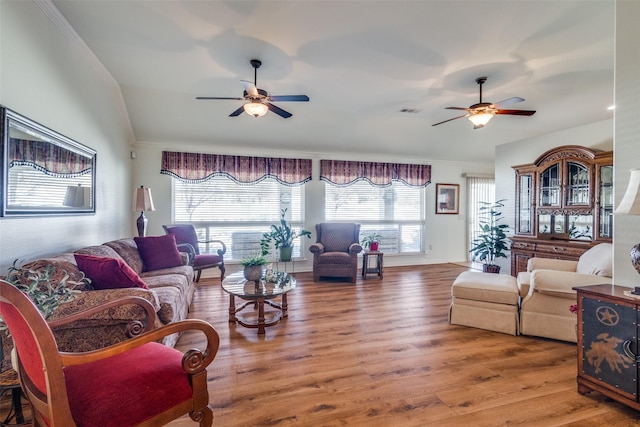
(43, 172)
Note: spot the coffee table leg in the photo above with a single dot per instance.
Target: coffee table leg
(261, 325)
(232, 309)
(284, 306)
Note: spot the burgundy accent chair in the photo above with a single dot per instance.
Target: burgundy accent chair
(187, 241)
(335, 253)
(137, 382)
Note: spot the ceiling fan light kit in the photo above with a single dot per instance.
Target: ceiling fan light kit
(479, 114)
(258, 100)
(255, 108)
(480, 119)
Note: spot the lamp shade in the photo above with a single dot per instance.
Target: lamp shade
(77, 196)
(630, 204)
(142, 200)
(480, 119)
(255, 108)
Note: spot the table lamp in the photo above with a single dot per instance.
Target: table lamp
(630, 205)
(77, 196)
(143, 202)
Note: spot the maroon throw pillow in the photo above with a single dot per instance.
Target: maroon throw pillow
(158, 252)
(108, 273)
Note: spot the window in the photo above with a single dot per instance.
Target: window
(220, 208)
(479, 189)
(26, 191)
(396, 212)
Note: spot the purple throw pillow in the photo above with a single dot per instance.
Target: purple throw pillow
(158, 252)
(108, 273)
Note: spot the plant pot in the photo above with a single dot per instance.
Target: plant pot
(253, 272)
(373, 247)
(491, 268)
(285, 253)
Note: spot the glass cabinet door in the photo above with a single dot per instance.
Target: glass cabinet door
(606, 201)
(577, 185)
(550, 186)
(525, 204)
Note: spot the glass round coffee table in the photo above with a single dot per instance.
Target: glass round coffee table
(258, 294)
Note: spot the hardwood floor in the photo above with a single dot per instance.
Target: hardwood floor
(381, 353)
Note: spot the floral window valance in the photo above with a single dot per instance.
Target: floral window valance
(48, 158)
(343, 173)
(195, 167)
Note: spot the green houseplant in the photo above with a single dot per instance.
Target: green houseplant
(492, 242)
(371, 241)
(47, 294)
(283, 237)
(253, 266)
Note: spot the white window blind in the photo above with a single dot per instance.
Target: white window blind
(396, 212)
(237, 214)
(479, 189)
(26, 190)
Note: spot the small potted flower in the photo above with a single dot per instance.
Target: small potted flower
(253, 266)
(371, 241)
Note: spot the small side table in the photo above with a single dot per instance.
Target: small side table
(377, 269)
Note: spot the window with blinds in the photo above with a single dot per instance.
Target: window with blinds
(27, 192)
(479, 189)
(237, 214)
(395, 212)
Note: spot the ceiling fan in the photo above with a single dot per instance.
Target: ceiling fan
(259, 101)
(479, 114)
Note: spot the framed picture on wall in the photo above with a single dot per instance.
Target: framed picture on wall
(447, 198)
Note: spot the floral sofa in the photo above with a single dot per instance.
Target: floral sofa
(170, 290)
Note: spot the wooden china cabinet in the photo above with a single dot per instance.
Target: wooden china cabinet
(564, 205)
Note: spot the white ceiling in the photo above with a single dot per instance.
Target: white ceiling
(360, 63)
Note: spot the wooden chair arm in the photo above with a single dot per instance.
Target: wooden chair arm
(135, 327)
(222, 251)
(193, 361)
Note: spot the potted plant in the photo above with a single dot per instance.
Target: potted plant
(253, 266)
(38, 285)
(371, 241)
(492, 242)
(283, 237)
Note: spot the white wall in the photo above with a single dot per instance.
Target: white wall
(445, 234)
(45, 76)
(595, 136)
(627, 134)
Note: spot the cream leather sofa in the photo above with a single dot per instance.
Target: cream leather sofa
(547, 294)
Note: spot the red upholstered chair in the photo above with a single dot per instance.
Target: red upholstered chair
(335, 253)
(138, 382)
(187, 241)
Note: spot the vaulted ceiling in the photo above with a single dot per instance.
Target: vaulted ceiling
(378, 73)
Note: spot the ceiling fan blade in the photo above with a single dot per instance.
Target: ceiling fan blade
(279, 111)
(459, 117)
(280, 98)
(237, 112)
(250, 88)
(517, 112)
(217, 97)
(508, 101)
(457, 108)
